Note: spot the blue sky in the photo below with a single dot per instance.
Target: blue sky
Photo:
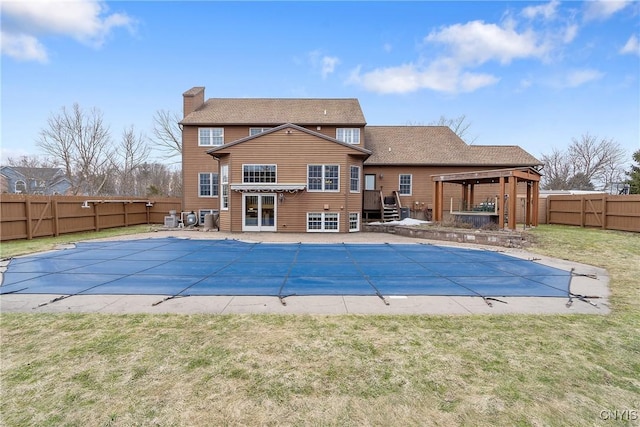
(535, 74)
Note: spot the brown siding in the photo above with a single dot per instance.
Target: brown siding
(195, 161)
(292, 153)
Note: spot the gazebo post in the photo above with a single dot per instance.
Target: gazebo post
(501, 204)
(437, 200)
(528, 206)
(465, 197)
(535, 203)
(513, 201)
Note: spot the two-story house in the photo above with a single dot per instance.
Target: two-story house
(313, 165)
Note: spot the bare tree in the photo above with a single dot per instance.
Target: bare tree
(557, 171)
(131, 154)
(589, 162)
(597, 158)
(167, 133)
(156, 179)
(459, 125)
(81, 143)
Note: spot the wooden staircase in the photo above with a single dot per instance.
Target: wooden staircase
(390, 207)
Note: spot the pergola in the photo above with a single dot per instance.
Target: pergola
(507, 180)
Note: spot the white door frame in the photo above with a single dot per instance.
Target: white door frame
(260, 215)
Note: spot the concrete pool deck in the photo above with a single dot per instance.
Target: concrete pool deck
(587, 280)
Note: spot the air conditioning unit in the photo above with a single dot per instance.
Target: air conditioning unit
(171, 221)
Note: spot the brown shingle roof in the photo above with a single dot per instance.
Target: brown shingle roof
(276, 111)
(436, 145)
(412, 145)
(502, 155)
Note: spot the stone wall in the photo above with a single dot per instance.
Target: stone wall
(507, 239)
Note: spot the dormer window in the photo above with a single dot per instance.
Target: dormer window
(348, 135)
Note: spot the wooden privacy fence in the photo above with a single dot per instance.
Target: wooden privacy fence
(596, 210)
(30, 216)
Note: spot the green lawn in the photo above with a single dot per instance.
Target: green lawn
(205, 370)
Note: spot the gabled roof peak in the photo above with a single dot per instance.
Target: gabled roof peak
(290, 127)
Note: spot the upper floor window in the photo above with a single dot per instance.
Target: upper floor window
(255, 131)
(348, 135)
(405, 185)
(210, 136)
(323, 177)
(258, 173)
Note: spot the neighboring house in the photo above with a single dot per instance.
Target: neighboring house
(4, 184)
(31, 180)
(313, 165)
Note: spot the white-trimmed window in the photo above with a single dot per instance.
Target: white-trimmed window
(210, 137)
(404, 186)
(256, 131)
(208, 184)
(354, 221)
(354, 182)
(348, 135)
(224, 186)
(258, 173)
(323, 177)
(20, 187)
(323, 222)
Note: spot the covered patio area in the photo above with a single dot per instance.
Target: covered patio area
(506, 202)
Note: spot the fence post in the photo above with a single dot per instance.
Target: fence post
(27, 211)
(54, 213)
(604, 211)
(96, 223)
(126, 218)
(583, 209)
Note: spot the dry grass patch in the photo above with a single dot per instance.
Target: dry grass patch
(309, 370)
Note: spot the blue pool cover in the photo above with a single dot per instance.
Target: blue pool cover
(183, 267)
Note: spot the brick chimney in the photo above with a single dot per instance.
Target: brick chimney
(192, 100)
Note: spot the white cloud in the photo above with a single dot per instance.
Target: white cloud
(547, 11)
(632, 46)
(579, 77)
(570, 33)
(476, 42)
(387, 47)
(603, 9)
(465, 47)
(86, 21)
(454, 57)
(324, 63)
(329, 64)
(22, 47)
(440, 76)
